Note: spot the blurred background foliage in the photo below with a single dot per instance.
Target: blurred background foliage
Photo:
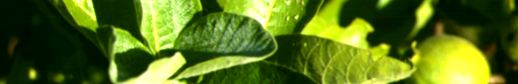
(37, 45)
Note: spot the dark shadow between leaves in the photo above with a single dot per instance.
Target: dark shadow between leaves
(286, 47)
(106, 39)
(132, 63)
(311, 11)
(210, 6)
(121, 13)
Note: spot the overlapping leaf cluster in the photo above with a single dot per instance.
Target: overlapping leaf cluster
(268, 41)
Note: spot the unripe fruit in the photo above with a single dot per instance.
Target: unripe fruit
(446, 59)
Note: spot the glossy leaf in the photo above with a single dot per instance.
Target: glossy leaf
(280, 17)
(331, 62)
(223, 40)
(160, 70)
(255, 73)
(325, 24)
(162, 20)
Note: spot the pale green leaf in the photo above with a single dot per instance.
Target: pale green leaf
(423, 14)
(280, 17)
(82, 11)
(380, 51)
(325, 24)
(222, 40)
(331, 62)
(160, 70)
(162, 21)
(354, 35)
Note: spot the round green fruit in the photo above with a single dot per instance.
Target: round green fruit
(446, 59)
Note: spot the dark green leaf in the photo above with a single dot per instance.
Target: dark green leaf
(332, 63)
(280, 17)
(222, 40)
(255, 73)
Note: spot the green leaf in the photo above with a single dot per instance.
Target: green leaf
(222, 40)
(255, 73)
(81, 14)
(160, 70)
(326, 25)
(354, 35)
(81, 11)
(331, 62)
(423, 14)
(280, 17)
(162, 21)
(380, 50)
(130, 57)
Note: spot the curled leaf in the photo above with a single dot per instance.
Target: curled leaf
(222, 40)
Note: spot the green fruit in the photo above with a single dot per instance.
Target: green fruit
(446, 59)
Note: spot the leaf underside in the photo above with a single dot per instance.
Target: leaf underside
(331, 62)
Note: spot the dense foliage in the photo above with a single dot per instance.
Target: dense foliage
(249, 41)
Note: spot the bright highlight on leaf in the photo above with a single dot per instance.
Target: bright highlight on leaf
(325, 24)
(160, 70)
(82, 11)
(354, 35)
(162, 21)
(330, 62)
(279, 17)
(423, 14)
(242, 34)
(229, 40)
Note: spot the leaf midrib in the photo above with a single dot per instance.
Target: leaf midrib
(154, 26)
